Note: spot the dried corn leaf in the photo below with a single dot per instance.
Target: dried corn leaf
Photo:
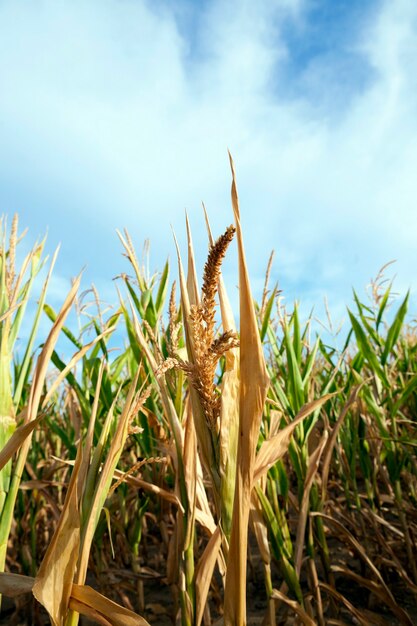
(274, 448)
(73, 361)
(185, 305)
(202, 503)
(363, 617)
(204, 572)
(303, 515)
(190, 474)
(134, 481)
(90, 603)
(378, 590)
(354, 543)
(192, 282)
(206, 520)
(53, 583)
(16, 440)
(297, 608)
(228, 439)
(333, 437)
(254, 382)
(44, 358)
(260, 529)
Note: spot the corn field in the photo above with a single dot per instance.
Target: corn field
(209, 471)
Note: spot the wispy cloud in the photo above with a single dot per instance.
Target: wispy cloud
(119, 113)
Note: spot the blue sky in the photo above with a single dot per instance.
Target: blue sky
(119, 113)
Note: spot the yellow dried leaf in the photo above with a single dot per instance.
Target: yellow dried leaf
(333, 437)
(16, 440)
(91, 603)
(54, 580)
(274, 448)
(192, 282)
(143, 484)
(73, 361)
(313, 466)
(190, 474)
(297, 608)
(44, 358)
(204, 572)
(259, 528)
(254, 382)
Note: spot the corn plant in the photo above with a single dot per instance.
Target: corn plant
(205, 430)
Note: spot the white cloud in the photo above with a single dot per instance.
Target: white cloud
(113, 114)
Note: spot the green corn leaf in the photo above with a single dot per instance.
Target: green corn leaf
(297, 342)
(267, 314)
(310, 363)
(162, 291)
(383, 306)
(278, 543)
(409, 388)
(365, 319)
(294, 375)
(367, 351)
(138, 304)
(395, 329)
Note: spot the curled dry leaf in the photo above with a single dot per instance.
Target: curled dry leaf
(72, 362)
(204, 572)
(378, 590)
(363, 617)
(16, 440)
(260, 528)
(297, 608)
(302, 519)
(390, 600)
(190, 474)
(44, 358)
(52, 587)
(134, 481)
(274, 448)
(83, 599)
(91, 603)
(333, 437)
